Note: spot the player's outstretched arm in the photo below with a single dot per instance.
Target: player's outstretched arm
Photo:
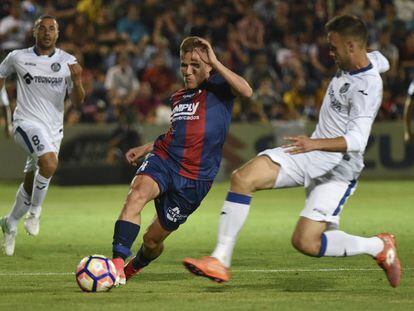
(238, 84)
(134, 154)
(8, 124)
(302, 144)
(408, 114)
(78, 93)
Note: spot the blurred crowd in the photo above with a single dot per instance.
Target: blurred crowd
(129, 50)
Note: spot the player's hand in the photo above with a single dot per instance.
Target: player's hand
(408, 137)
(205, 51)
(75, 72)
(298, 144)
(133, 154)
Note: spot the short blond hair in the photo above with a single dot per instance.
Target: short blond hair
(189, 44)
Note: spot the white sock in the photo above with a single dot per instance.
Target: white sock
(341, 244)
(233, 215)
(40, 186)
(20, 207)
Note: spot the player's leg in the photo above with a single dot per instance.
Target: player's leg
(257, 174)
(47, 165)
(142, 190)
(314, 235)
(9, 223)
(151, 248)
(20, 207)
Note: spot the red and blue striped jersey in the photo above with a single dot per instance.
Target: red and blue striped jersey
(200, 122)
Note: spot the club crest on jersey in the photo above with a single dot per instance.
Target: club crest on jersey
(40, 147)
(344, 88)
(55, 67)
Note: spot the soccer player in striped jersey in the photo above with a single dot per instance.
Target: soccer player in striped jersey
(327, 164)
(45, 75)
(181, 164)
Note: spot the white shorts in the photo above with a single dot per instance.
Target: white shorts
(325, 195)
(35, 139)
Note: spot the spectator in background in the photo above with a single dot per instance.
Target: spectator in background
(146, 104)
(267, 97)
(388, 49)
(121, 82)
(131, 26)
(407, 57)
(14, 30)
(259, 70)
(161, 78)
(252, 31)
(322, 64)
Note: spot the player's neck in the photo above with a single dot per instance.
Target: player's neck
(360, 61)
(41, 51)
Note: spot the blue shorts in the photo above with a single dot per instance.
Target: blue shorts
(179, 196)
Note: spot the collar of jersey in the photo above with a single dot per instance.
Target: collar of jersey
(361, 70)
(38, 54)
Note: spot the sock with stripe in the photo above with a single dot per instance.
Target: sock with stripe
(20, 207)
(125, 233)
(336, 243)
(233, 215)
(140, 260)
(40, 187)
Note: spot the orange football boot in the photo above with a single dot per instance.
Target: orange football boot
(129, 270)
(388, 260)
(208, 267)
(120, 275)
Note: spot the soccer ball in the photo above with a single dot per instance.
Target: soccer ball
(95, 273)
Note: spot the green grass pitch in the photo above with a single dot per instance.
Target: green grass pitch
(267, 273)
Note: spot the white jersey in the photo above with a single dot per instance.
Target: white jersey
(349, 108)
(4, 99)
(42, 84)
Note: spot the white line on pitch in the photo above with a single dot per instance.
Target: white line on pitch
(179, 272)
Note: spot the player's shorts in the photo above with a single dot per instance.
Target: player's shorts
(35, 139)
(325, 194)
(179, 196)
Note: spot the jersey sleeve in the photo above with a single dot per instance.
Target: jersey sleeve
(365, 100)
(220, 87)
(7, 66)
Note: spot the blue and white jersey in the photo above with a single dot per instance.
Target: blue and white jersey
(42, 84)
(349, 108)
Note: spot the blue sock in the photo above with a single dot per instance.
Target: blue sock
(140, 260)
(324, 243)
(125, 233)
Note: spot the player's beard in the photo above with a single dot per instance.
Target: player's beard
(46, 44)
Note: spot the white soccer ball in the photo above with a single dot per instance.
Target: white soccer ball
(95, 273)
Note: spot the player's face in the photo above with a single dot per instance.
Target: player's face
(339, 50)
(193, 69)
(46, 33)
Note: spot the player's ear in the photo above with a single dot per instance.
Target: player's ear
(350, 46)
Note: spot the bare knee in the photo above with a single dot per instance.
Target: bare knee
(48, 165)
(306, 244)
(135, 202)
(242, 182)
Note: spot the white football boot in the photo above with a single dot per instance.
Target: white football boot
(9, 241)
(32, 224)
